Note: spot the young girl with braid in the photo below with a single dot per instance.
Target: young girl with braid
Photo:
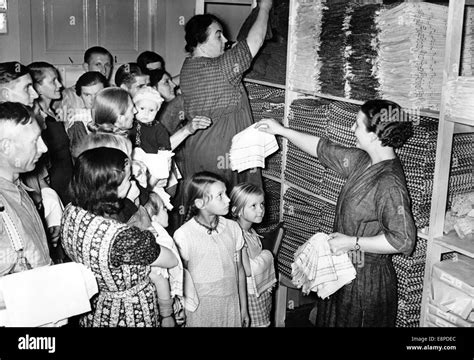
(211, 249)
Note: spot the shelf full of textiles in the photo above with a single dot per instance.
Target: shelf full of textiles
(358, 52)
(448, 288)
(309, 201)
(311, 190)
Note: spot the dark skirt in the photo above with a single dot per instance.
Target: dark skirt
(370, 300)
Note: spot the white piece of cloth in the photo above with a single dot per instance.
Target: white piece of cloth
(158, 164)
(316, 269)
(174, 274)
(250, 147)
(47, 294)
(53, 207)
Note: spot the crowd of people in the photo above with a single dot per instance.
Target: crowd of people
(125, 179)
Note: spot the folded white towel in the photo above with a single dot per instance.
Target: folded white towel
(47, 294)
(250, 147)
(316, 269)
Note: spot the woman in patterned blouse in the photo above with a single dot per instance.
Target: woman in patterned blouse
(120, 256)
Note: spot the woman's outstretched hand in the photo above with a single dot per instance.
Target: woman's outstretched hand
(198, 123)
(270, 126)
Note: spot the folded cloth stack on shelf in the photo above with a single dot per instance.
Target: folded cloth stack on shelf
(453, 291)
(262, 92)
(410, 271)
(461, 216)
(306, 25)
(271, 219)
(273, 161)
(332, 48)
(341, 117)
(331, 184)
(467, 54)
(328, 215)
(460, 102)
(418, 156)
(301, 214)
(411, 56)
(309, 115)
(303, 169)
(316, 269)
(362, 50)
(461, 178)
(250, 147)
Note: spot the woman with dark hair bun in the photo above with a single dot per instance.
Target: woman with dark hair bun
(211, 84)
(120, 256)
(373, 212)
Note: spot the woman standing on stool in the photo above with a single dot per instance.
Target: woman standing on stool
(211, 83)
(373, 212)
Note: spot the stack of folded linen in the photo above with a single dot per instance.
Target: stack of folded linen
(411, 56)
(250, 147)
(362, 53)
(316, 269)
(467, 54)
(306, 25)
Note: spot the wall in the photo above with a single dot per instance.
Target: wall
(171, 16)
(168, 20)
(232, 15)
(10, 43)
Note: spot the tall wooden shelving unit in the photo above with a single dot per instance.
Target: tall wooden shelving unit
(435, 248)
(438, 243)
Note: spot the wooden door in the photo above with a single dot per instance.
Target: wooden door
(123, 27)
(60, 30)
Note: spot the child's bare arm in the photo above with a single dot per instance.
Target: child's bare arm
(246, 261)
(166, 259)
(242, 291)
(165, 302)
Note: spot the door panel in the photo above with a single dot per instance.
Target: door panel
(124, 28)
(59, 30)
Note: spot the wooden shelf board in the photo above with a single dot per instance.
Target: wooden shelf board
(453, 242)
(325, 96)
(422, 112)
(266, 83)
(271, 177)
(461, 128)
(458, 120)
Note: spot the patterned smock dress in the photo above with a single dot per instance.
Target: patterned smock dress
(213, 87)
(119, 256)
(373, 201)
